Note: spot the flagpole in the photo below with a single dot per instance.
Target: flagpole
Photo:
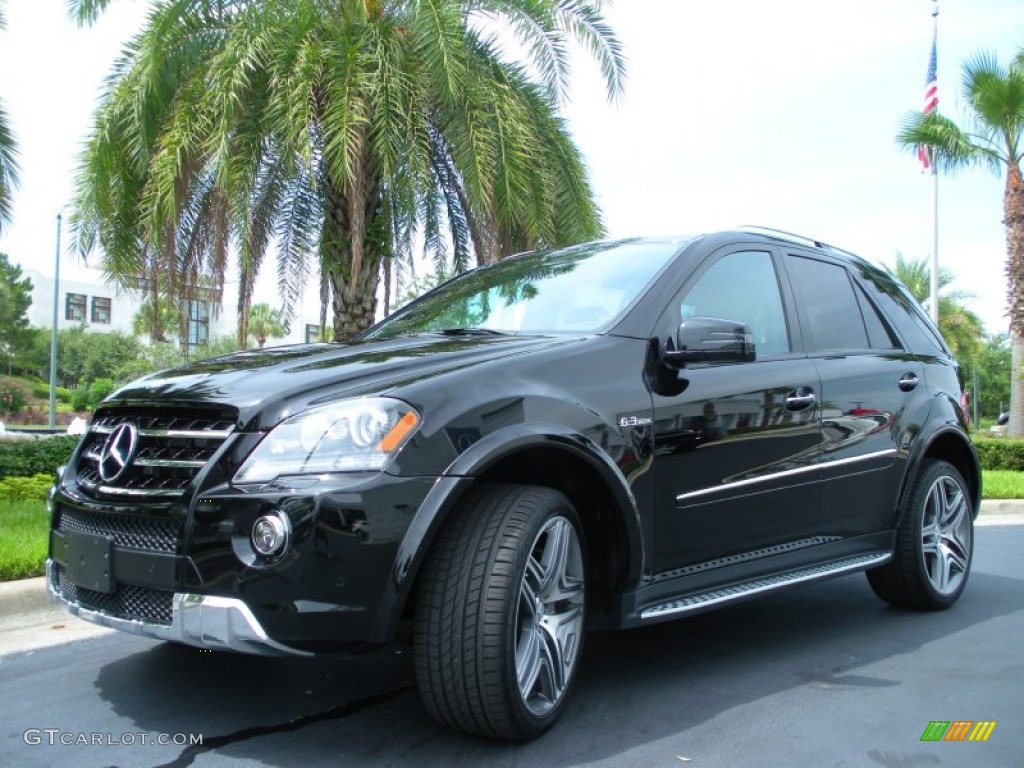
(935, 201)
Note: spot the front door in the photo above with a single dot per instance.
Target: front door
(736, 444)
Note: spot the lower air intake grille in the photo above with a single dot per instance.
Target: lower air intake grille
(128, 602)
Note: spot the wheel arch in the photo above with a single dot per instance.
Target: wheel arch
(547, 455)
(950, 445)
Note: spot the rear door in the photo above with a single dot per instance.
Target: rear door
(869, 386)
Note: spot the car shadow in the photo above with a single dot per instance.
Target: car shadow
(635, 687)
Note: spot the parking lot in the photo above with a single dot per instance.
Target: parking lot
(826, 675)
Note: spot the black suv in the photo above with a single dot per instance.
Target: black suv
(604, 436)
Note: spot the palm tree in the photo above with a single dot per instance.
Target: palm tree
(960, 327)
(156, 317)
(346, 130)
(994, 95)
(266, 322)
(8, 158)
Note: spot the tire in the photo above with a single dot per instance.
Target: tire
(934, 543)
(500, 613)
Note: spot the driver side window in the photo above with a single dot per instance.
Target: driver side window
(742, 286)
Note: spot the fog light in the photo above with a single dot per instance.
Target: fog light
(270, 535)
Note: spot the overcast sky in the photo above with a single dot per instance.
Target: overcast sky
(745, 112)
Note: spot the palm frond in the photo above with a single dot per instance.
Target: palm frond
(8, 167)
(952, 148)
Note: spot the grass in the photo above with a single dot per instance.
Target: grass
(24, 530)
(1002, 484)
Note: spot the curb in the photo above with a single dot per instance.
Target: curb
(18, 598)
(23, 596)
(26, 603)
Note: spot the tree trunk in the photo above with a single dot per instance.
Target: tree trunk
(354, 303)
(156, 316)
(1013, 208)
(325, 295)
(353, 296)
(245, 287)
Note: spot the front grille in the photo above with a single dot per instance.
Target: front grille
(135, 531)
(128, 602)
(156, 457)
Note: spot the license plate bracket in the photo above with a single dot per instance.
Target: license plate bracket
(90, 561)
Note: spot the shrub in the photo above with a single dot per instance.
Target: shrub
(1000, 453)
(100, 389)
(41, 390)
(13, 395)
(32, 488)
(37, 457)
(80, 398)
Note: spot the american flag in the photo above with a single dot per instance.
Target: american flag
(931, 101)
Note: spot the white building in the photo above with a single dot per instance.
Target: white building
(102, 307)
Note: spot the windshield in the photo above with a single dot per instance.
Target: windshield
(578, 290)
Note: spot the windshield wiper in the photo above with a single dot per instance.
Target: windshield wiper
(470, 332)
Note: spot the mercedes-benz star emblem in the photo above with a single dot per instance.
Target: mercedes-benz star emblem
(118, 451)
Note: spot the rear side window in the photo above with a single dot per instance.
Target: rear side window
(905, 314)
(831, 314)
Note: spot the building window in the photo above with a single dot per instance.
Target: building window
(198, 323)
(74, 307)
(100, 310)
(312, 333)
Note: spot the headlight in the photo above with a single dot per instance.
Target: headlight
(347, 436)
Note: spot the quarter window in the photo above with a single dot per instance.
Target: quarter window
(878, 330)
(742, 286)
(905, 313)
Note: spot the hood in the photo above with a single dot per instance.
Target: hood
(266, 386)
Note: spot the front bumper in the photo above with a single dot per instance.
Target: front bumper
(205, 621)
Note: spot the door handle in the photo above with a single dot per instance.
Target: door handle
(800, 398)
(909, 381)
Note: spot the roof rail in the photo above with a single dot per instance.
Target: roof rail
(782, 234)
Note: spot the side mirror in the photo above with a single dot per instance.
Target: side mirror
(711, 340)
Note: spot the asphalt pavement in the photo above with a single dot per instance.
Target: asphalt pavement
(825, 675)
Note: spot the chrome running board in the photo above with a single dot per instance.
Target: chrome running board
(743, 590)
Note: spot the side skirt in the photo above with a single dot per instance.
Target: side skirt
(704, 586)
(703, 601)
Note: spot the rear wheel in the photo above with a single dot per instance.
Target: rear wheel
(934, 544)
(500, 613)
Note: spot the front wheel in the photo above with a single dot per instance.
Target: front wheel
(500, 613)
(934, 543)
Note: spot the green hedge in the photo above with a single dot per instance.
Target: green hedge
(41, 390)
(36, 457)
(1000, 453)
(32, 488)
